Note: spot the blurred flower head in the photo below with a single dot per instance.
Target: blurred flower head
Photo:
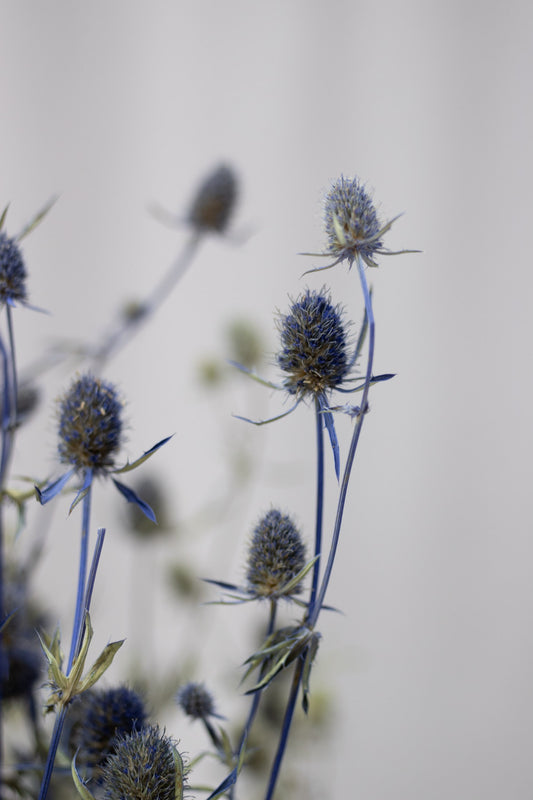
(214, 202)
(196, 701)
(12, 272)
(104, 714)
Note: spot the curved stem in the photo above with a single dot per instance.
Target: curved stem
(353, 447)
(319, 503)
(127, 327)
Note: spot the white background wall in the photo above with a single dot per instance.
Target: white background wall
(116, 104)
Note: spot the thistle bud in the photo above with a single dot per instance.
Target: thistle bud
(215, 200)
(313, 345)
(351, 222)
(90, 425)
(196, 701)
(276, 555)
(144, 766)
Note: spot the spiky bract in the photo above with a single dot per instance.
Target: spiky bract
(196, 701)
(12, 271)
(143, 767)
(276, 555)
(90, 425)
(313, 345)
(215, 200)
(351, 221)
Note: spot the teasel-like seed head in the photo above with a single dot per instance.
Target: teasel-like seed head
(214, 202)
(276, 555)
(90, 425)
(314, 345)
(351, 222)
(145, 766)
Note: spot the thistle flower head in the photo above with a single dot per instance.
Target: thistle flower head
(214, 201)
(12, 272)
(276, 555)
(196, 701)
(90, 425)
(313, 346)
(352, 225)
(144, 766)
(105, 714)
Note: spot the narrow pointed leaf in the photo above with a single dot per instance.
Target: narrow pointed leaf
(178, 766)
(37, 218)
(3, 217)
(102, 663)
(254, 376)
(293, 583)
(83, 491)
(272, 419)
(78, 783)
(54, 488)
(226, 784)
(330, 425)
(145, 456)
(132, 497)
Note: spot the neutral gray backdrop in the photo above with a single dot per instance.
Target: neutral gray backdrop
(116, 104)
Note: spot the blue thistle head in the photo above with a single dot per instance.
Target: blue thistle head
(351, 221)
(106, 714)
(12, 271)
(90, 425)
(196, 701)
(314, 346)
(214, 202)
(276, 555)
(144, 766)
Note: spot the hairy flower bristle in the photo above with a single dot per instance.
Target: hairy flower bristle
(90, 425)
(351, 222)
(215, 200)
(104, 715)
(313, 345)
(276, 555)
(12, 271)
(144, 766)
(196, 701)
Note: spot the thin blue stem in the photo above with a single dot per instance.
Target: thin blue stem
(61, 715)
(285, 730)
(353, 447)
(297, 677)
(82, 573)
(257, 695)
(127, 327)
(319, 422)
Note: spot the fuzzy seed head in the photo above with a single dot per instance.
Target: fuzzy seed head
(215, 200)
(351, 222)
(143, 767)
(106, 714)
(90, 425)
(313, 345)
(276, 555)
(12, 271)
(196, 701)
